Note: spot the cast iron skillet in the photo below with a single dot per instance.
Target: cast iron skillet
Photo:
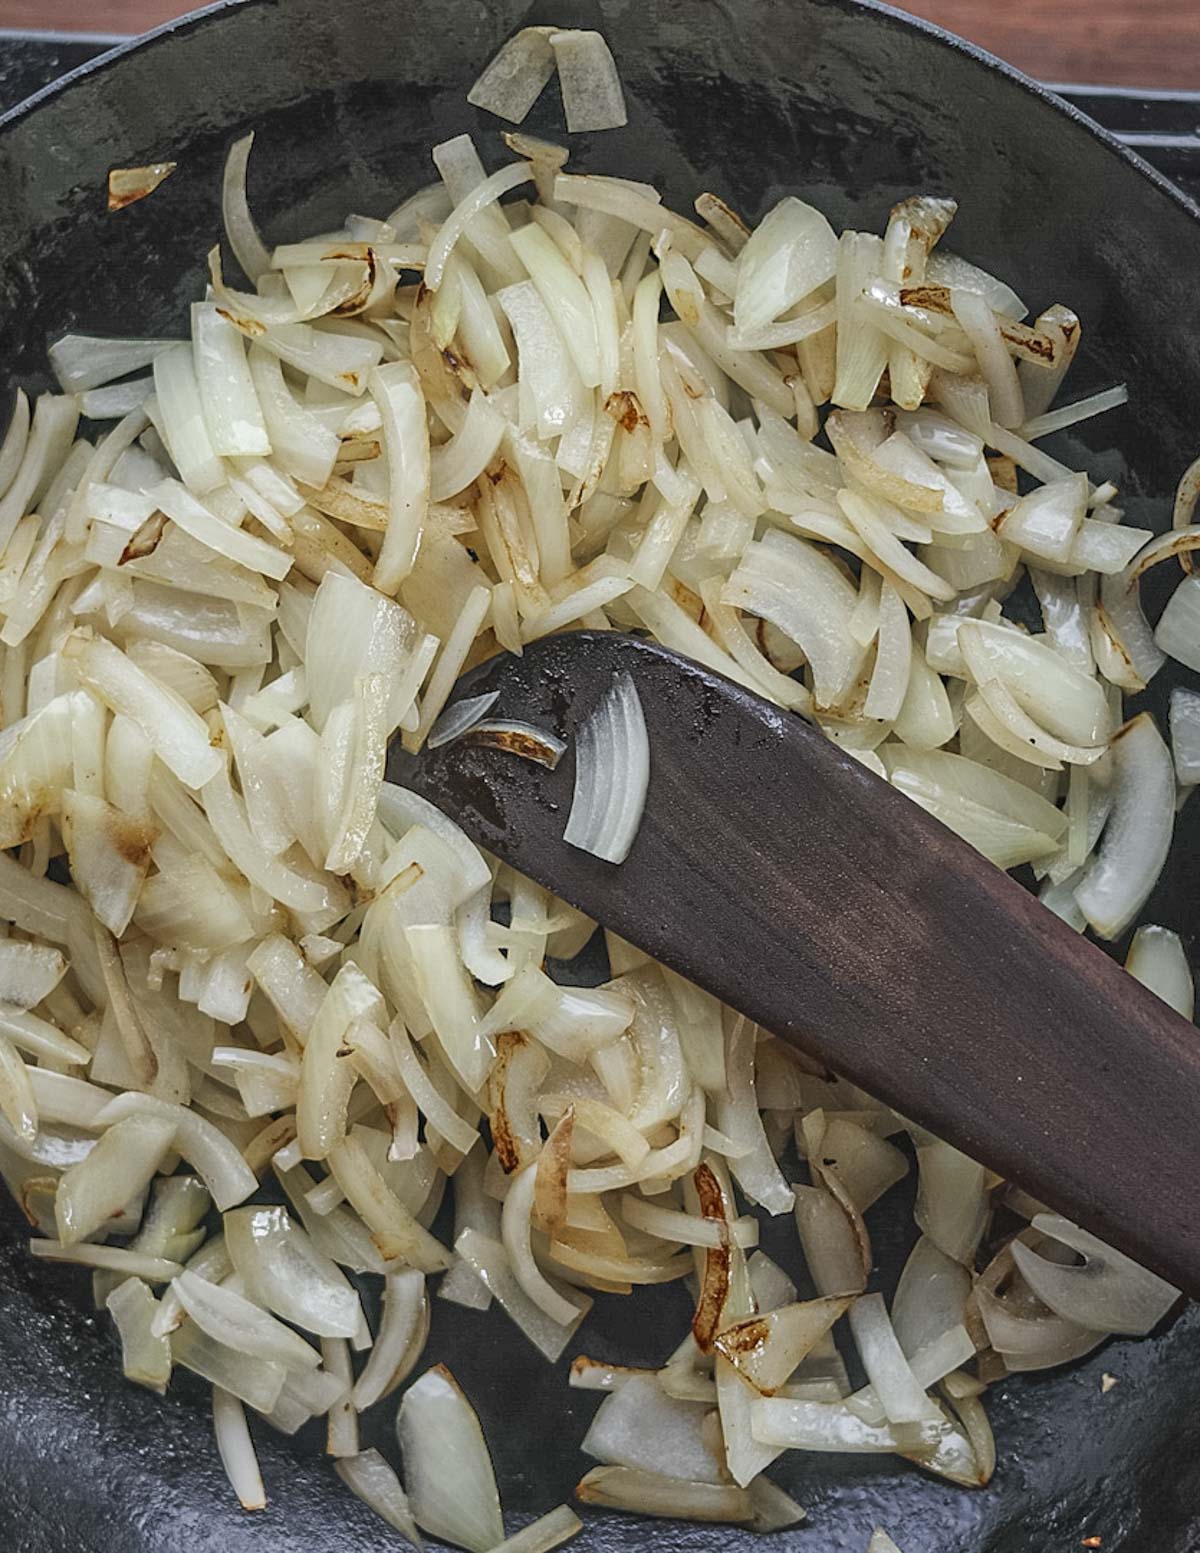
(852, 106)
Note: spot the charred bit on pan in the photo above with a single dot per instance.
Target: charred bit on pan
(127, 185)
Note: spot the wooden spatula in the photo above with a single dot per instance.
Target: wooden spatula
(777, 872)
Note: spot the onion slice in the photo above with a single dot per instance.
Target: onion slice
(1137, 838)
(591, 87)
(284, 1272)
(513, 79)
(216, 1159)
(640, 1426)
(232, 1319)
(451, 1484)
(121, 1166)
(398, 1343)
(768, 1348)
(237, 1450)
(612, 775)
(370, 1477)
(459, 718)
(547, 1532)
(1157, 959)
(520, 739)
(1108, 1293)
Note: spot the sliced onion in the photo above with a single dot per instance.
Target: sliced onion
(979, 323)
(548, 1531)
(1041, 383)
(831, 1426)
(396, 389)
(1067, 703)
(893, 662)
(202, 1144)
(370, 1477)
(401, 1336)
(284, 1272)
(251, 1378)
(737, 1115)
(12, 449)
(767, 1349)
(789, 255)
(86, 361)
(598, 1375)
(951, 1199)
(516, 1229)
(248, 247)
(1046, 523)
(512, 81)
(650, 1493)
(488, 1260)
(237, 1450)
(862, 350)
(881, 1543)
(1003, 819)
(233, 1320)
(341, 1437)
(477, 200)
(1178, 630)
(395, 1232)
(450, 1002)
(17, 1103)
(1137, 838)
(437, 1427)
(117, 1170)
(900, 1394)
(145, 1357)
(930, 1298)
(1108, 1293)
(685, 1228)
(127, 185)
(1026, 1334)
(612, 774)
(1156, 958)
(640, 1427)
(28, 972)
(591, 87)
(400, 808)
(30, 1033)
(117, 1259)
(1121, 638)
(62, 1098)
(326, 1079)
(178, 735)
(1185, 734)
(803, 593)
(520, 739)
(928, 1365)
(109, 854)
(1072, 414)
(431, 1103)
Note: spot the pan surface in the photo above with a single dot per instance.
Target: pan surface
(852, 107)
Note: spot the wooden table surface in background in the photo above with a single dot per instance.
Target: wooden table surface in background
(1123, 42)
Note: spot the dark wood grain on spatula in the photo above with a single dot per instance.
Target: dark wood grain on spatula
(777, 872)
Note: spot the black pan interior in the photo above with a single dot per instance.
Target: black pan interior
(852, 107)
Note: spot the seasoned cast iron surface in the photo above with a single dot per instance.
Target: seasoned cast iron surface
(852, 108)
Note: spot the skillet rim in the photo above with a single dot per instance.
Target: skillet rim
(885, 15)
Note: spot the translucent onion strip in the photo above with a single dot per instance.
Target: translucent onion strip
(612, 775)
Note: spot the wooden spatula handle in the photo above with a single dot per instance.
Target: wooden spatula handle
(777, 872)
